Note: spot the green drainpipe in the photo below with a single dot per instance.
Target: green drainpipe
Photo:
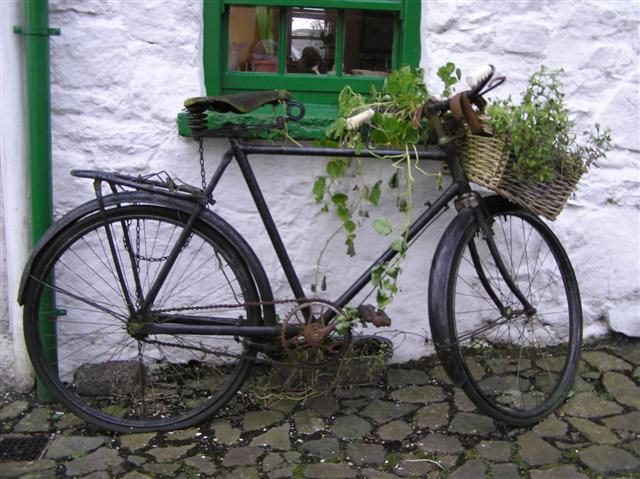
(36, 32)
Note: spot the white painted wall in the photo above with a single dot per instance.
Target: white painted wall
(121, 70)
(598, 45)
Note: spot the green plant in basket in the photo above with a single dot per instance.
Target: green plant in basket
(390, 123)
(538, 132)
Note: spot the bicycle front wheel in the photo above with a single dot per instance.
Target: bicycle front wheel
(516, 366)
(88, 348)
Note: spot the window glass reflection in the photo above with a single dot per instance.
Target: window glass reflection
(368, 42)
(253, 38)
(311, 40)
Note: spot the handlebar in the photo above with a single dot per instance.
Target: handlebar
(477, 81)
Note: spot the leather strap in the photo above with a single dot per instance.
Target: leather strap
(462, 110)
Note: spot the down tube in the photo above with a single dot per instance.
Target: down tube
(416, 227)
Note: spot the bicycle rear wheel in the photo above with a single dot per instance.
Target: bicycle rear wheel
(87, 347)
(516, 367)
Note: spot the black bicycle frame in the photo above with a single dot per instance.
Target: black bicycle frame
(240, 151)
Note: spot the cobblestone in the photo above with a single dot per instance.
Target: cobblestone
(400, 428)
(609, 459)
(470, 423)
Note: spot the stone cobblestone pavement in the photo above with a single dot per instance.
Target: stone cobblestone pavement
(413, 423)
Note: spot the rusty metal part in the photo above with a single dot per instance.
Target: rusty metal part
(309, 334)
(377, 317)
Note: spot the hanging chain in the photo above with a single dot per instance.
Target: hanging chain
(202, 172)
(139, 257)
(137, 245)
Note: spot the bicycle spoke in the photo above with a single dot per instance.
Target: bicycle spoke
(514, 362)
(156, 382)
(59, 290)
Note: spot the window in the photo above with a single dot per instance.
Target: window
(312, 48)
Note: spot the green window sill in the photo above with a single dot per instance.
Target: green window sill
(311, 127)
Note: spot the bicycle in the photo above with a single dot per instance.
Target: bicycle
(153, 285)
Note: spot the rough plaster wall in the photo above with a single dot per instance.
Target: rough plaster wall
(597, 44)
(121, 70)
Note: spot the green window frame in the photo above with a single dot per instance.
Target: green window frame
(319, 97)
(219, 80)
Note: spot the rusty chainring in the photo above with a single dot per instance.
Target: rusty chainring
(309, 334)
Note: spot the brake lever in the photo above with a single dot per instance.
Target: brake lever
(494, 83)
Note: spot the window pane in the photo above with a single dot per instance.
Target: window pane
(253, 38)
(368, 42)
(312, 40)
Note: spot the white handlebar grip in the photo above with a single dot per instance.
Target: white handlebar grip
(478, 75)
(356, 120)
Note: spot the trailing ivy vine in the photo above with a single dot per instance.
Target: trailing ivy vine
(390, 122)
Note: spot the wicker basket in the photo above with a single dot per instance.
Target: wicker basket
(486, 161)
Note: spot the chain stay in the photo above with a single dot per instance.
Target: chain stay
(232, 306)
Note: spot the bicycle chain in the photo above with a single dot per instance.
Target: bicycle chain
(273, 302)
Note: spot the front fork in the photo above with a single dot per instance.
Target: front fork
(484, 220)
(468, 198)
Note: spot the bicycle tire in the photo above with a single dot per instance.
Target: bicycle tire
(517, 368)
(152, 383)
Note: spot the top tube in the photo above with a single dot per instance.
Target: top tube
(429, 153)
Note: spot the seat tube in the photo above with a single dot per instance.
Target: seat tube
(267, 219)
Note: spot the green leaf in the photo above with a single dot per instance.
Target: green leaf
(376, 275)
(343, 213)
(342, 327)
(350, 226)
(340, 199)
(411, 135)
(399, 245)
(337, 128)
(382, 299)
(336, 167)
(374, 194)
(392, 272)
(382, 226)
(319, 188)
(393, 181)
(351, 250)
(379, 137)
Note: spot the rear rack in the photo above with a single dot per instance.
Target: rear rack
(160, 182)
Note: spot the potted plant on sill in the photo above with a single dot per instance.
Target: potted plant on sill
(264, 56)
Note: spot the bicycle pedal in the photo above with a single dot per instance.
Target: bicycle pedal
(377, 317)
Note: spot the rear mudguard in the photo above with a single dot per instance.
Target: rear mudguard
(138, 197)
